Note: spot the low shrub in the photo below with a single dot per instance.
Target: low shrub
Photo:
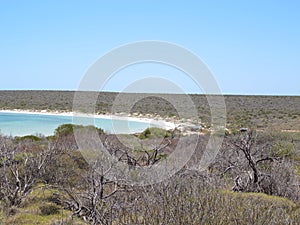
(154, 132)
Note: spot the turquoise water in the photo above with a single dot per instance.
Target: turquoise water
(19, 124)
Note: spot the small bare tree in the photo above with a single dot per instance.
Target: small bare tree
(249, 159)
(20, 170)
(89, 199)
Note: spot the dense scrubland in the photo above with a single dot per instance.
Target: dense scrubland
(261, 112)
(254, 179)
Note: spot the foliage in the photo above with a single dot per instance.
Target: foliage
(67, 129)
(187, 200)
(283, 149)
(154, 132)
(29, 138)
(49, 182)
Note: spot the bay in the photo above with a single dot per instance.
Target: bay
(21, 124)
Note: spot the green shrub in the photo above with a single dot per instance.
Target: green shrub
(283, 149)
(67, 129)
(154, 132)
(32, 138)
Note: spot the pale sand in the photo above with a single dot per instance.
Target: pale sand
(161, 123)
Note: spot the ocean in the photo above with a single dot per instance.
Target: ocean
(21, 124)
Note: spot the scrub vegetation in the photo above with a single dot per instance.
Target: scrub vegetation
(260, 112)
(254, 179)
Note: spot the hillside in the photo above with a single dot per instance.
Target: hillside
(261, 112)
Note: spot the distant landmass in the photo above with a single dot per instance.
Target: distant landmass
(260, 112)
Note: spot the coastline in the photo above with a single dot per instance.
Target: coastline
(154, 121)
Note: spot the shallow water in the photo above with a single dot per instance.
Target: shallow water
(19, 124)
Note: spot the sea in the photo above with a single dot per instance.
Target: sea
(21, 124)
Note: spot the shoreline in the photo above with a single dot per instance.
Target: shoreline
(152, 121)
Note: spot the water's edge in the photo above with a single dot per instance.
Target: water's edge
(20, 123)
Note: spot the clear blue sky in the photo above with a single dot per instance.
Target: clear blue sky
(252, 47)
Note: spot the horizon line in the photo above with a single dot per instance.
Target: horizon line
(189, 93)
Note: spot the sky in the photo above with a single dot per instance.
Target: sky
(251, 47)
